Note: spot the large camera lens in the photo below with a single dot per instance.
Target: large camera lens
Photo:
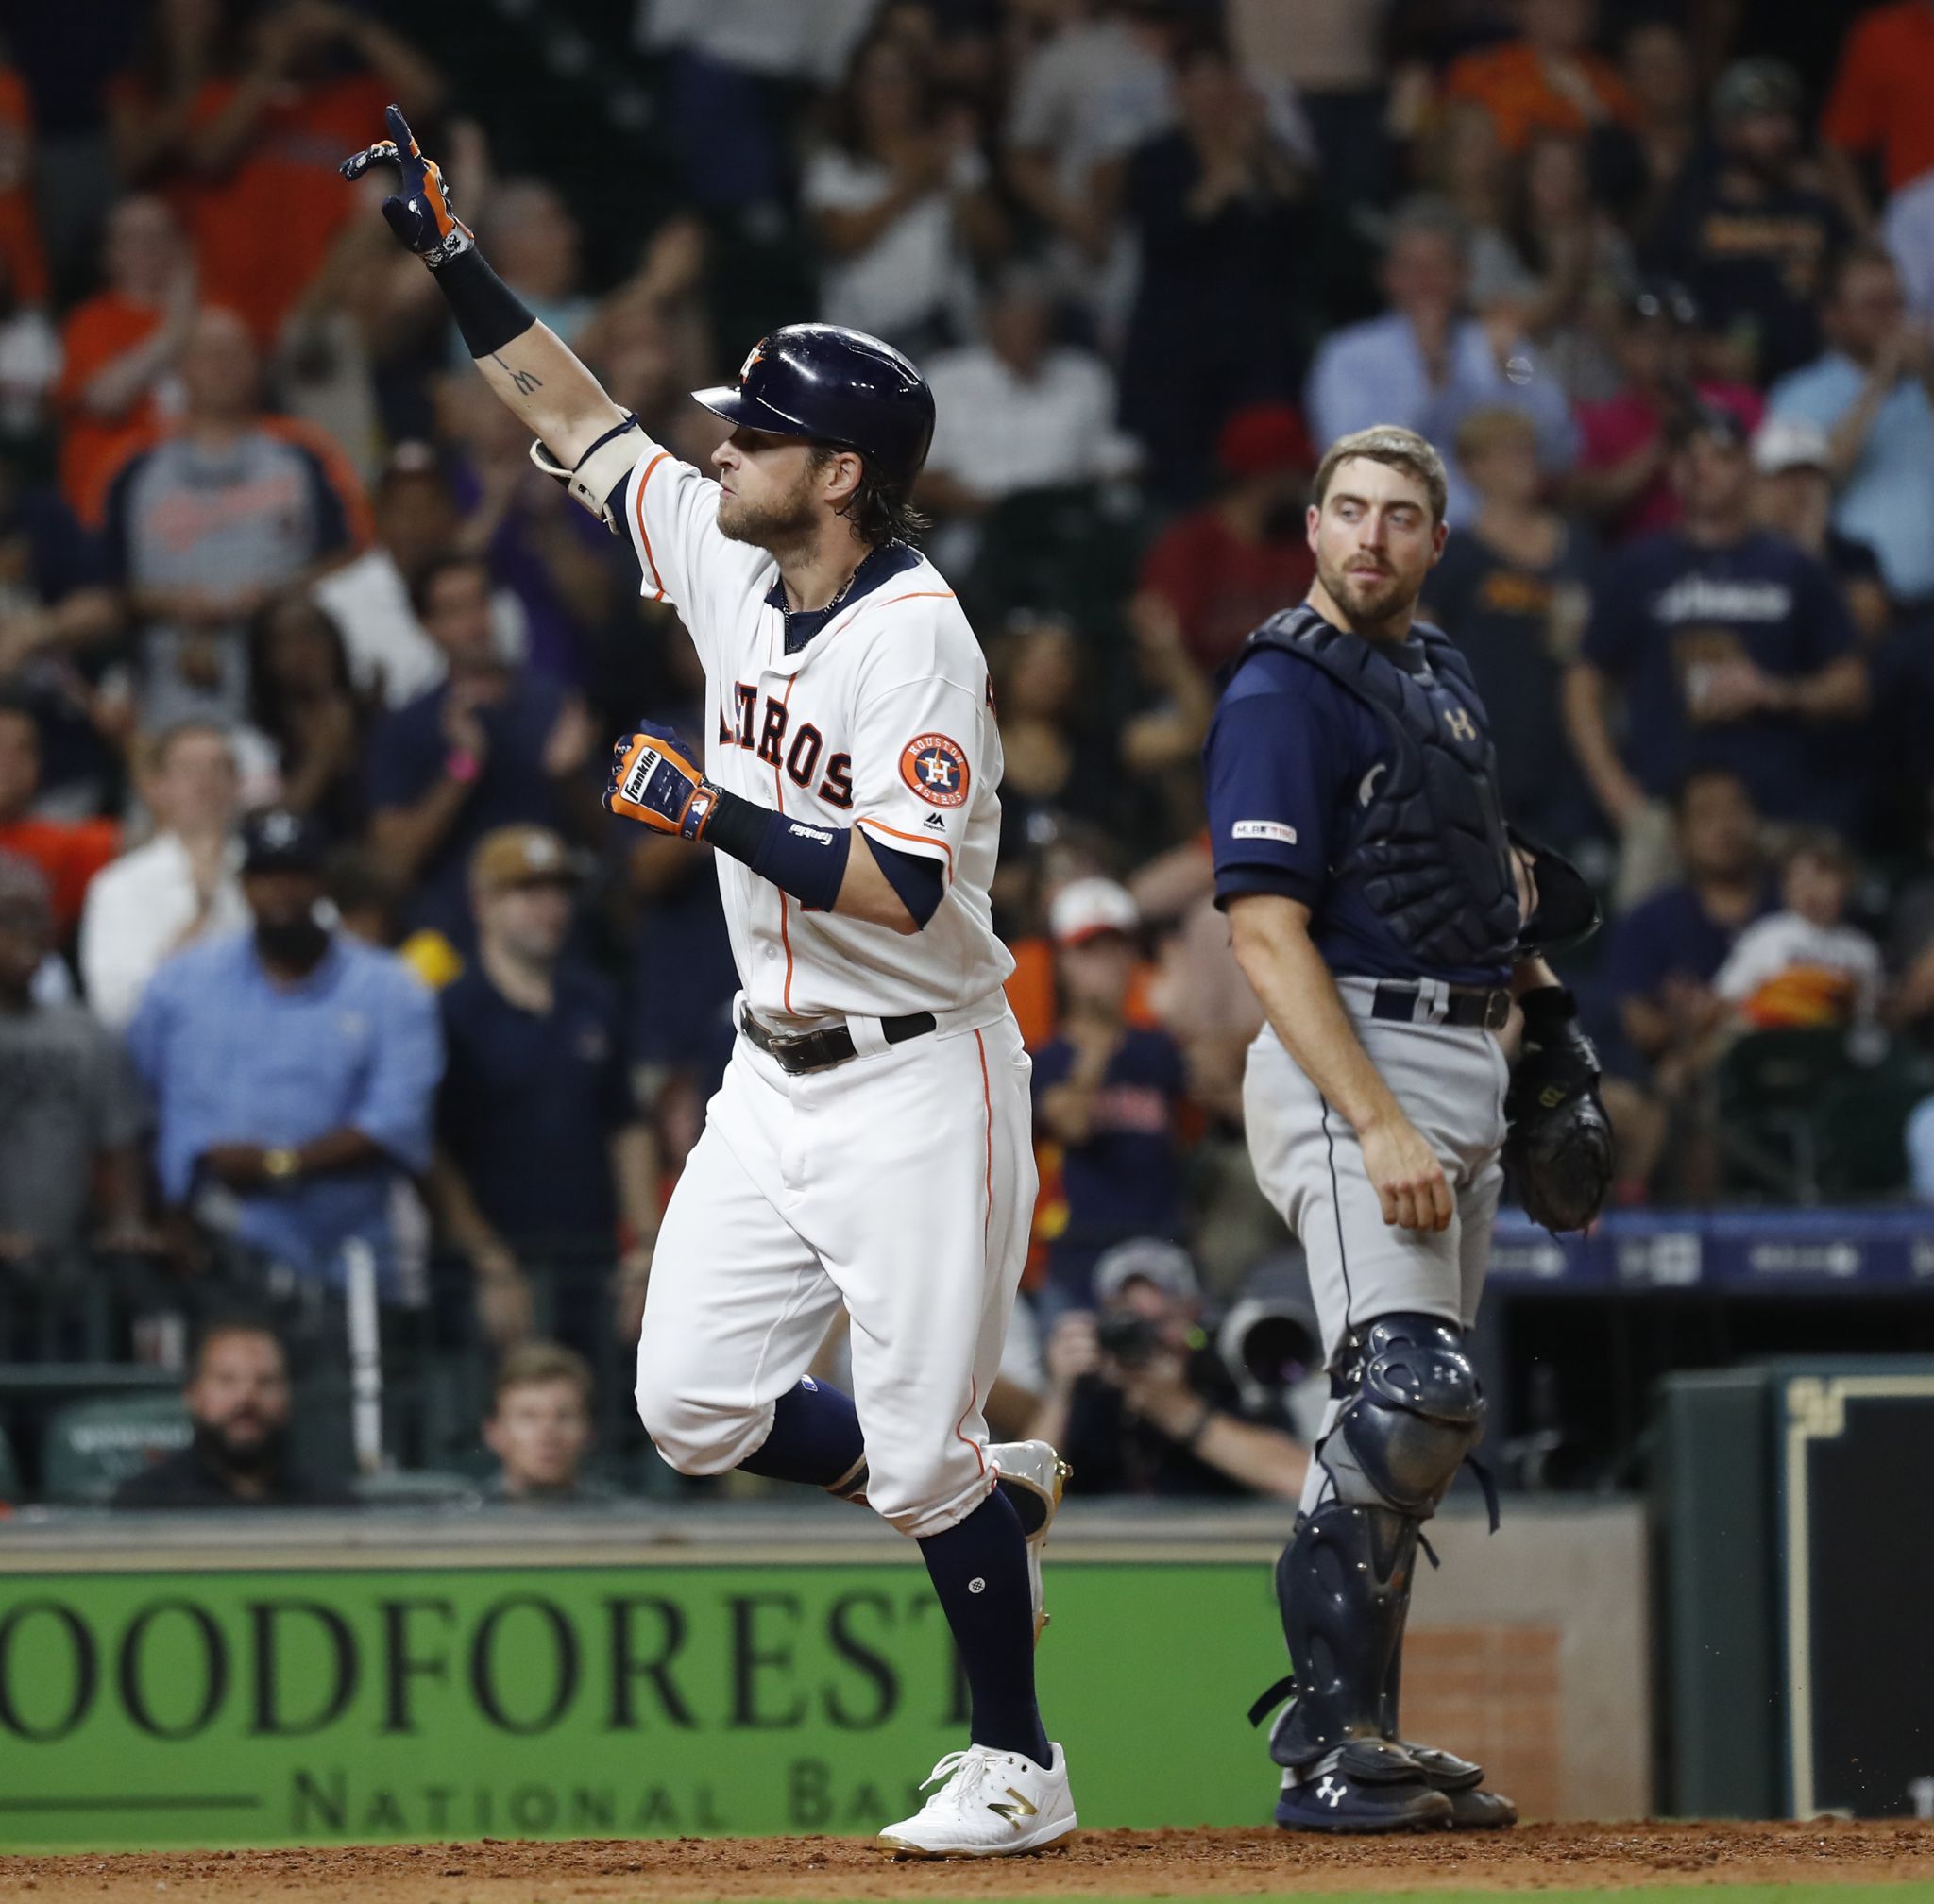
(1129, 1339)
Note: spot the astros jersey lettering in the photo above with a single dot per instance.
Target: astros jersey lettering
(883, 721)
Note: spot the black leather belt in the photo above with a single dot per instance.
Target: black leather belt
(1473, 1007)
(805, 1051)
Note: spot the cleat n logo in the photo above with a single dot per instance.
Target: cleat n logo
(1331, 1792)
(1019, 1809)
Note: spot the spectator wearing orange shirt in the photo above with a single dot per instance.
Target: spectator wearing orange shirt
(1547, 81)
(1878, 104)
(264, 146)
(68, 851)
(120, 348)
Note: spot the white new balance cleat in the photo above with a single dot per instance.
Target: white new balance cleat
(990, 1805)
(1032, 1477)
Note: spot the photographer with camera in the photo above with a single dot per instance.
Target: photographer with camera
(1145, 1397)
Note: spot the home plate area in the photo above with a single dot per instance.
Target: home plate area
(1797, 1863)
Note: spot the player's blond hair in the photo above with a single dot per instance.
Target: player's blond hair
(1397, 449)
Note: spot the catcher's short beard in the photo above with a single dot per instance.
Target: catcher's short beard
(1384, 601)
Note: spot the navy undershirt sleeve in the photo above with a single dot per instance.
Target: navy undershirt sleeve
(916, 878)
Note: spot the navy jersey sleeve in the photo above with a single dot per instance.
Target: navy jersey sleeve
(1272, 765)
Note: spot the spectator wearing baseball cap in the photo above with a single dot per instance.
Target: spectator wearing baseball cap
(1140, 1398)
(1746, 231)
(545, 1175)
(293, 1070)
(1219, 571)
(1622, 485)
(1794, 459)
(1731, 646)
(1107, 1095)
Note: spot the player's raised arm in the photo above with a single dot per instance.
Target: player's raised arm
(591, 442)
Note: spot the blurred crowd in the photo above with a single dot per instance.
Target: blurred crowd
(318, 955)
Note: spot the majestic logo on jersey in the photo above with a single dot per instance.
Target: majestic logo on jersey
(935, 769)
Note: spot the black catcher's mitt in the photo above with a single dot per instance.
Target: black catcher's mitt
(1559, 1140)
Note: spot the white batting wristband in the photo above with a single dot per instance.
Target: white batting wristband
(599, 471)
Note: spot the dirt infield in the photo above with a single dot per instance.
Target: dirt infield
(1111, 1864)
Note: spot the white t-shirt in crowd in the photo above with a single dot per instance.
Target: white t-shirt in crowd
(1784, 970)
(913, 270)
(369, 600)
(136, 910)
(1000, 433)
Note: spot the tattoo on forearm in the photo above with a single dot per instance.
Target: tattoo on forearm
(523, 382)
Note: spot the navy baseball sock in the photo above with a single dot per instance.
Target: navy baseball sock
(815, 1438)
(980, 1569)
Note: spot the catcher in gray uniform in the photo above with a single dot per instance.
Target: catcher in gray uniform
(1393, 930)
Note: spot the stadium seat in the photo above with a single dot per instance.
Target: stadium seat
(92, 1446)
(414, 1488)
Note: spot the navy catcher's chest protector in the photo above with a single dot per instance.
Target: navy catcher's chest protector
(1428, 849)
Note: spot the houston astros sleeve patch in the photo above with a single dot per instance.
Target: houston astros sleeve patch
(935, 769)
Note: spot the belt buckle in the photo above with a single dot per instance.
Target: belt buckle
(1497, 1009)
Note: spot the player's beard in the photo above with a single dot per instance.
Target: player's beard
(1371, 603)
(784, 522)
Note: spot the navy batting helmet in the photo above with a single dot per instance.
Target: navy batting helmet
(835, 386)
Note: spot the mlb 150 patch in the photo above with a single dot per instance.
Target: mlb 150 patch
(935, 769)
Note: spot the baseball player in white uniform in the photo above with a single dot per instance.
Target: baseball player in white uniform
(870, 1147)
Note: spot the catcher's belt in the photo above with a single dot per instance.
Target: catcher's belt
(1469, 1006)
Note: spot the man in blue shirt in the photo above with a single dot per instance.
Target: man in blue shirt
(293, 1071)
(1733, 648)
(1869, 394)
(1427, 362)
(543, 1162)
(1378, 910)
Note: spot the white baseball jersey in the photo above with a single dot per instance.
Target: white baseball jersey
(800, 1196)
(883, 721)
